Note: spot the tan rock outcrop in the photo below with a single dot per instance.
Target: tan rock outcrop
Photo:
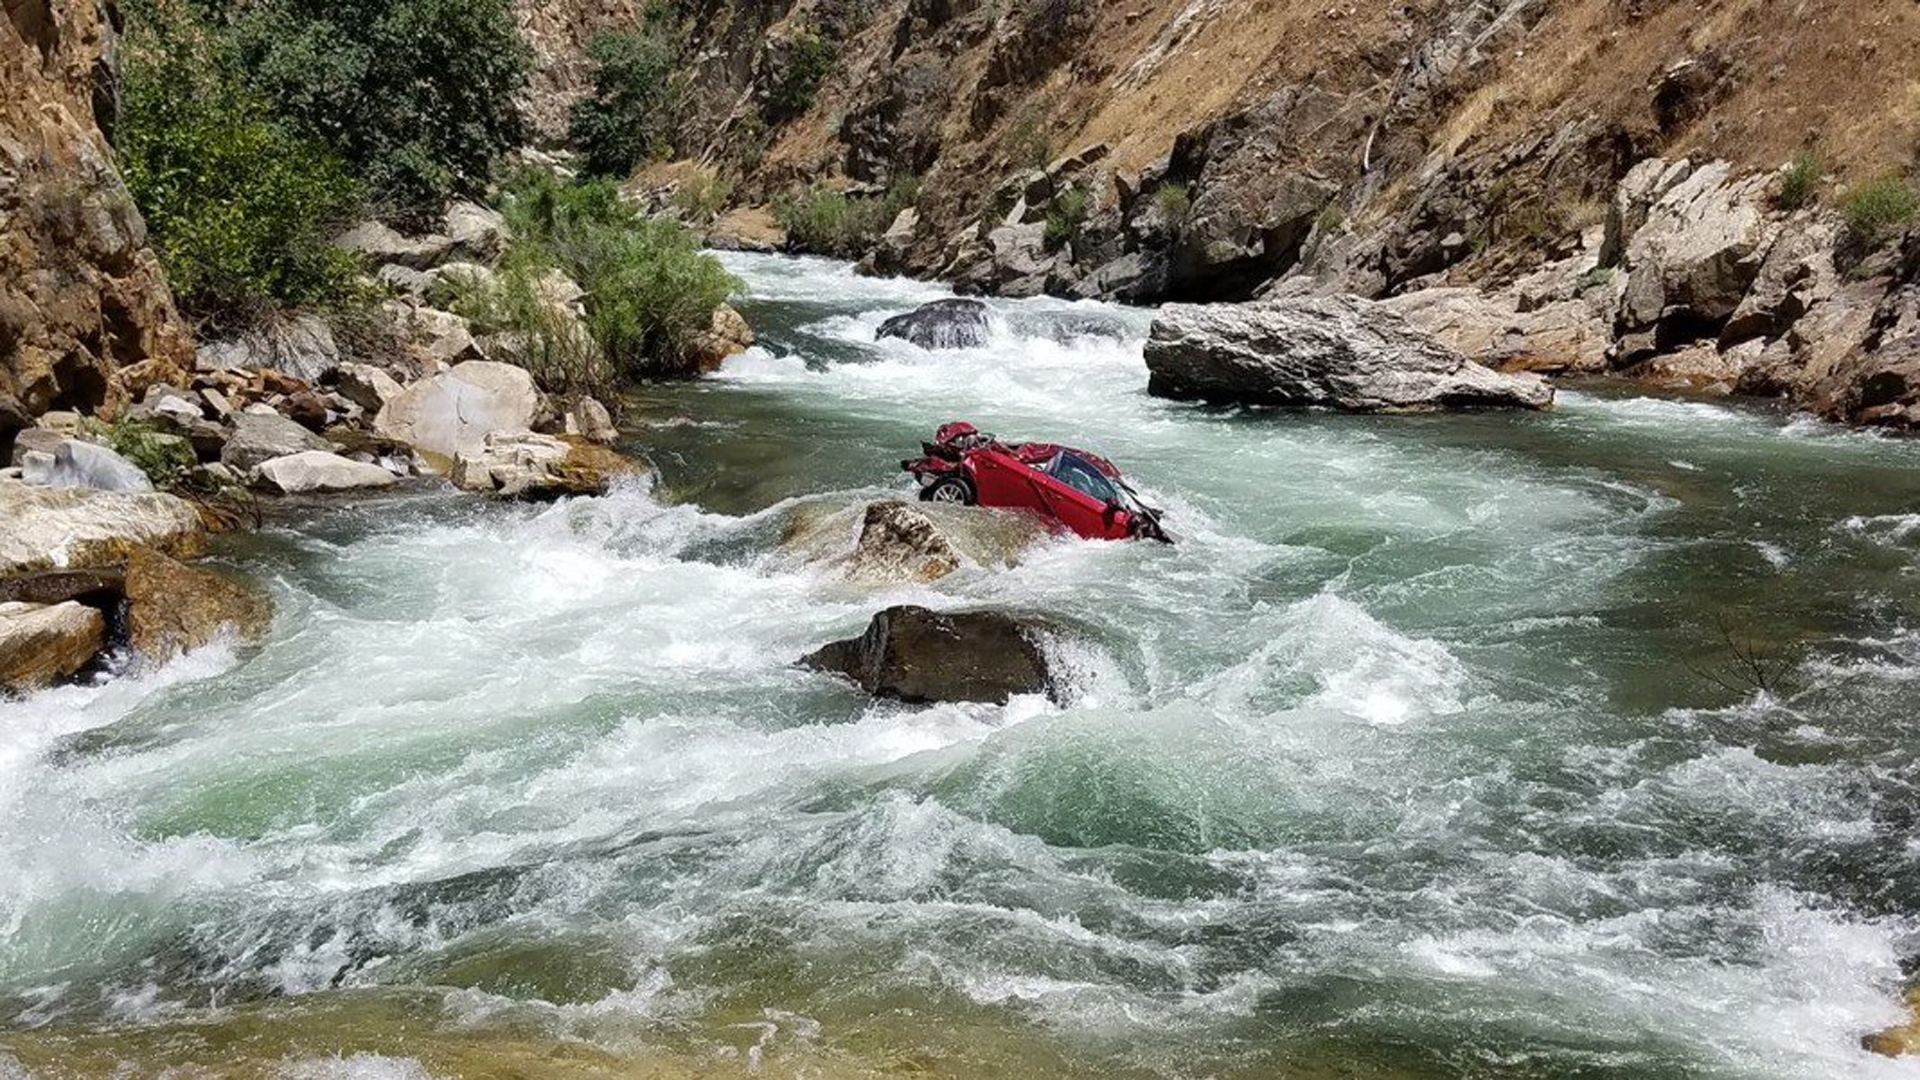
(174, 608)
(79, 528)
(86, 319)
(41, 644)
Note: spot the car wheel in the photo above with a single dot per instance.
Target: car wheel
(949, 489)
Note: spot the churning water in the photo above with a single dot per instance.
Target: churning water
(1426, 753)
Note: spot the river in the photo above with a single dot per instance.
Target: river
(1426, 753)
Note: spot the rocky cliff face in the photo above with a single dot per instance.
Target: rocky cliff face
(1224, 149)
(85, 315)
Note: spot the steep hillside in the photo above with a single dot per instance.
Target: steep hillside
(1222, 149)
(85, 315)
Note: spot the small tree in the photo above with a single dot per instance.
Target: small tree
(635, 106)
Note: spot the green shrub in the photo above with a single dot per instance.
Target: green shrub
(167, 459)
(417, 95)
(1332, 218)
(1028, 145)
(1876, 209)
(1800, 180)
(701, 197)
(651, 291)
(1066, 214)
(809, 59)
(1175, 201)
(239, 208)
(635, 106)
(828, 222)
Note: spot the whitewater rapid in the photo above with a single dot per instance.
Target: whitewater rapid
(1401, 763)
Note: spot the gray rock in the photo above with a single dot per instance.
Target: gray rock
(1694, 260)
(302, 347)
(919, 656)
(78, 464)
(41, 644)
(35, 440)
(378, 244)
(538, 468)
(1340, 353)
(899, 543)
(590, 420)
(453, 413)
(366, 386)
(476, 231)
(313, 472)
(943, 324)
(260, 437)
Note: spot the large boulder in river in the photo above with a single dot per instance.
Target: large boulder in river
(454, 412)
(899, 543)
(919, 656)
(80, 528)
(174, 608)
(729, 335)
(1338, 352)
(42, 644)
(943, 324)
(539, 468)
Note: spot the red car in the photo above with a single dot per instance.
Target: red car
(1080, 491)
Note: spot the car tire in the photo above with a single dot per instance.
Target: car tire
(953, 490)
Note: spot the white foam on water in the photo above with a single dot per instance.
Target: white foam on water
(354, 1067)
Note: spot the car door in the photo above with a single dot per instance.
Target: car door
(1081, 496)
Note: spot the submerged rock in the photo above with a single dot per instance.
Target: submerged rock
(80, 528)
(919, 656)
(174, 608)
(899, 543)
(42, 644)
(1321, 352)
(943, 324)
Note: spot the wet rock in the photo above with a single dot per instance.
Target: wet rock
(1339, 353)
(78, 464)
(898, 543)
(943, 324)
(730, 336)
(591, 421)
(174, 608)
(99, 588)
(79, 528)
(539, 468)
(1902, 1040)
(41, 645)
(314, 472)
(260, 437)
(919, 656)
(453, 413)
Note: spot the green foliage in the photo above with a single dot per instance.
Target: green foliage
(1175, 201)
(809, 59)
(417, 95)
(636, 102)
(824, 221)
(651, 291)
(1800, 180)
(1597, 278)
(1027, 143)
(1065, 214)
(166, 459)
(239, 207)
(1333, 217)
(701, 197)
(1876, 209)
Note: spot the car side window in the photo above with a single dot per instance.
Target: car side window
(1080, 475)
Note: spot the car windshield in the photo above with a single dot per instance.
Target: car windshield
(1079, 474)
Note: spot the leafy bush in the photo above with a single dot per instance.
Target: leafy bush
(1175, 201)
(635, 106)
(547, 338)
(1876, 209)
(701, 197)
(166, 459)
(1027, 143)
(417, 95)
(1800, 180)
(1065, 214)
(809, 59)
(239, 207)
(828, 222)
(651, 291)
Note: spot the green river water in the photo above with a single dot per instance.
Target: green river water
(1425, 753)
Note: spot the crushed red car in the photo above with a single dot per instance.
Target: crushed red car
(1079, 491)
